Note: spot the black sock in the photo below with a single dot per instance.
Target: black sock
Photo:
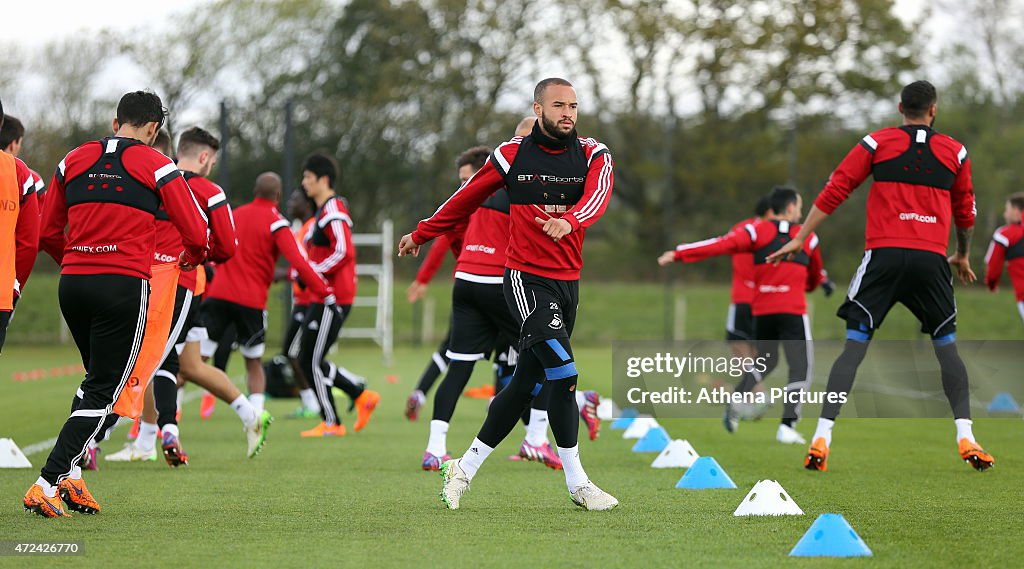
(165, 392)
(508, 405)
(954, 380)
(840, 379)
(448, 393)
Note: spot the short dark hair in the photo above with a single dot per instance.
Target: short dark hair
(917, 98)
(139, 108)
(781, 197)
(162, 142)
(322, 165)
(11, 130)
(475, 157)
(538, 91)
(194, 138)
(1016, 200)
(762, 206)
(1, 113)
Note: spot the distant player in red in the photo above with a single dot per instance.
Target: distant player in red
(99, 224)
(922, 182)
(1007, 248)
(779, 304)
(238, 294)
(739, 321)
(12, 133)
(333, 255)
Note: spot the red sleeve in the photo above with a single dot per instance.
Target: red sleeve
(850, 173)
(461, 205)
(433, 261)
(597, 190)
(994, 259)
(223, 241)
(52, 238)
(816, 269)
(728, 244)
(964, 209)
(27, 235)
(285, 242)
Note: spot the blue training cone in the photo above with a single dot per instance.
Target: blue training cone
(1003, 402)
(655, 440)
(625, 419)
(830, 536)
(705, 473)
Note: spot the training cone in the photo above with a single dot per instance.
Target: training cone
(11, 456)
(625, 419)
(605, 410)
(768, 498)
(1003, 403)
(830, 536)
(678, 454)
(705, 473)
(656, 440)
(639, 427)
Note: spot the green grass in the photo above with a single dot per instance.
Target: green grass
(362, 501)
(608, 311)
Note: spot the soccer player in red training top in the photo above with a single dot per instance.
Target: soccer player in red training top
(11, 134)
(1007, 247)
(300, 209)
(106, 194)
(739, 321)
(238, 293)
(779, 304)
(332, 254)
(558, 185)
(922, 179)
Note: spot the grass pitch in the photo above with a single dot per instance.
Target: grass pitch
(362, 501)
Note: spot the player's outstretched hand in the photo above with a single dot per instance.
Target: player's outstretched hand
(184, 265)
(785, 252)
(406, 246)
(554, 228)
(416, 291)
(962, 265)
(667, 258)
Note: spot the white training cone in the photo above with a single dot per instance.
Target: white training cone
(639, 427)
(606, 410)
(768, 498)
(678, 454)
(11, 456)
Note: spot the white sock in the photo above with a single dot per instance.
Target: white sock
(537, 430)
(581, 399)
(575, 476)
(93, 444)
(437, 444)
(964, 430)
(181, 397)
(257, 401)
(246, 411)
(824, 431)
(171, 428)
(309, 399)
(147, 437)
(474, 458)
(48, 489)
(76, 473)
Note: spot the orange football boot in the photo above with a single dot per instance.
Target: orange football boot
(976, 456)
(37, 501)
(817, 456)
(365, 404)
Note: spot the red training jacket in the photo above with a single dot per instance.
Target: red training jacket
(1007, 247)
(330, 249)
(262, 235)
(27, 231)
(921, 180)
(743, 271)
(779, 288)
(106, 193)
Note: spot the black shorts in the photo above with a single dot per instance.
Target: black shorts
(920, 280)
(250, 326)
(480, 319)
(293, 336)
(544, 308)
(739, 323)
